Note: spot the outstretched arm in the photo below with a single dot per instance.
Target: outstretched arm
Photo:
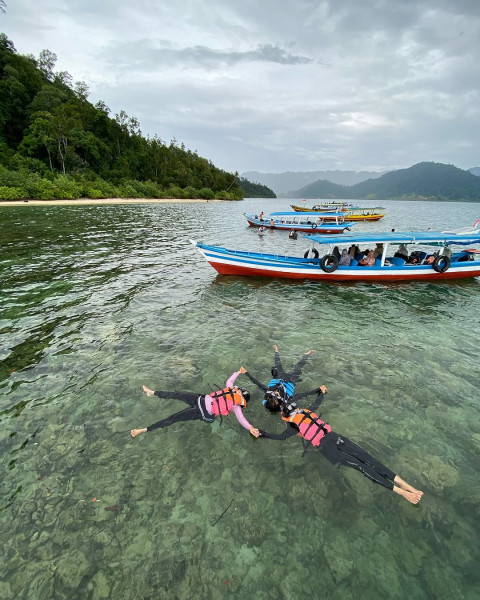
(322, 390)
(279, 436)
(238, 412)
(253, 379)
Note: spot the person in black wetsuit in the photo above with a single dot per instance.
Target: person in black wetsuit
(281, 388)
(338, 449)
(205, 407)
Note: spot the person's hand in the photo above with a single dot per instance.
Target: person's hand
(255, 432)
(275, 348)
(242, 370)
(323, 389)
(308, 353)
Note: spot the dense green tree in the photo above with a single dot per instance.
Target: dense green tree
(50, 134)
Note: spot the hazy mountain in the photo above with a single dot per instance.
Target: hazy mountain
(475, 171)
(282, 183)
(427, 180)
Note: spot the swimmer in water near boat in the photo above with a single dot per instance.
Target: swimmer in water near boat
(205, 407)
(282, 386)
(337, 448)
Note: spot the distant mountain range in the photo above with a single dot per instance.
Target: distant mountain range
(423, 181)
(283, 183)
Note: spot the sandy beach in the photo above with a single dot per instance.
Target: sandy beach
(83, 201)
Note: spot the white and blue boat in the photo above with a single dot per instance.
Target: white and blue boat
(309, 222)
(401, 256)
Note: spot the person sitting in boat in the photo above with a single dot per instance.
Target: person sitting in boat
(205, 407)
(414, 258)
(367, 261)
(345, 258)
(402, 252)
(282, 386)
(293, 234)
(377, 253)
(338, 449)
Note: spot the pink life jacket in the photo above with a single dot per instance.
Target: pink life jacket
(310, 426)
(224, 400)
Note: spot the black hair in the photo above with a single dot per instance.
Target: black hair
(272, 403)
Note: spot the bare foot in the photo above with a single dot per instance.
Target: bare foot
(412, 497)
(148, 391)
(136, 432)
(404, 485)
(308, 353)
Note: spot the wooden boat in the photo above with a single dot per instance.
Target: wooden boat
(435, 256)
(350, 213)
(324, 223)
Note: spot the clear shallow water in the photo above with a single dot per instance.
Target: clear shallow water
(96, 301)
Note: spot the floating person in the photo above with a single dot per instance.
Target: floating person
(293, 234)
(337, 448)
(205, 407)
(282, 387)
(261, 230)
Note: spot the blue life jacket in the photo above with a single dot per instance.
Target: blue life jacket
(286, 388)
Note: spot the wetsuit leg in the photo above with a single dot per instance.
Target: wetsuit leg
(189, 397)
(278, 365)
(349, 454)
(189, 414)
(296, 372)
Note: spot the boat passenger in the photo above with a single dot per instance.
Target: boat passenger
(261, 216)
(402, 252)
(345, 258)
(205, 407)
(377, 253)
(367, 261)
(338, 449)
(281, 388)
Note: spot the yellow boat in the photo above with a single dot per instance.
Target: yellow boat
(351, 213)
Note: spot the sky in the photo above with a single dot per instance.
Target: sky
(276, 85)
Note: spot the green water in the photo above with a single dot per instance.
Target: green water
(98, 300)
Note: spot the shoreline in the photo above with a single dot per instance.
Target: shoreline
(96, 201)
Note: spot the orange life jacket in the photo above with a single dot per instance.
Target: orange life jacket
(224, 400)
(310, 426)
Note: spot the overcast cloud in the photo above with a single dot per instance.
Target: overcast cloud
(276, 85)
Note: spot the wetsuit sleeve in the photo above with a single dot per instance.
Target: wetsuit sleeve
(317, 402)
(238, 412)
(254, 380)
(289, 431)
(305, 394)
(232, 378)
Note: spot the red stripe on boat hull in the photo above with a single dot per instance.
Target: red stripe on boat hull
(225, 269)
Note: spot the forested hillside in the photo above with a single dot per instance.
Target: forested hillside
(55, 144)
(423, 181)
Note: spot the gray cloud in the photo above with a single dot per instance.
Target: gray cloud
(146, 54)
(297, 85)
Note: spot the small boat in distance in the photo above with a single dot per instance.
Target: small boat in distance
(350, 213)
(433, 256)
(324, 223)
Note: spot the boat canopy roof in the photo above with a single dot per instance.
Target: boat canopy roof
(294, 213)
(471, 236)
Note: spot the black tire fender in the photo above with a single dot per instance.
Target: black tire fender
(441, 263)
(313, 251)
(329, 263)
